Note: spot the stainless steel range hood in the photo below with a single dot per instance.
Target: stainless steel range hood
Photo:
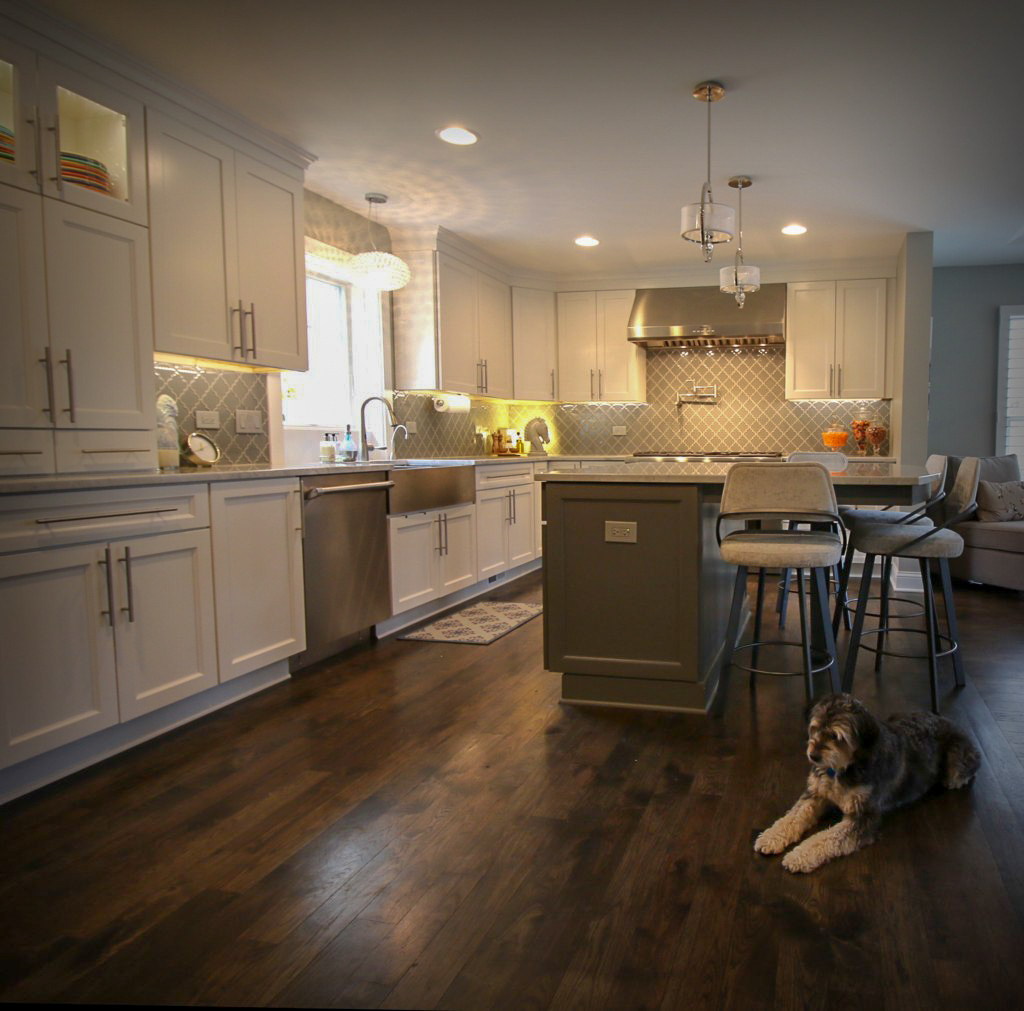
(705, 317)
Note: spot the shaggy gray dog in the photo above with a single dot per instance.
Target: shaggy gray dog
(865, 767)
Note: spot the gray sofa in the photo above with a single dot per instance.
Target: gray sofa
(993, 552)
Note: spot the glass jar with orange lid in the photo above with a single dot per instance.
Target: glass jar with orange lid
(835, 437)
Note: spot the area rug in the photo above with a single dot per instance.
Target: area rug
(478, 624)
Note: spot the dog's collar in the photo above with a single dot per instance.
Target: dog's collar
(830, 772)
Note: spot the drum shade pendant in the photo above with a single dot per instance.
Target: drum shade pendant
(739, 279)
(708, 223)
(380, 271)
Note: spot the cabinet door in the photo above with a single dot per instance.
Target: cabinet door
(257, 565)
(577, 346)
(493, 515)
(621, 365)
(534, 350)
(25, 338)
(860, 339)
(458, 560)
(494, 328)
(97, 275)
(810, 340)
(58, 681)
(271, 265)
(18, 116)
(521, 545)
(164, 628)
(93, 143)
(192, 238)
(416, 542)
(457, 325)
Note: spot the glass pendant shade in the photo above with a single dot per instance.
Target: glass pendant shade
(708, 224)
(381, 271)
(739, 280)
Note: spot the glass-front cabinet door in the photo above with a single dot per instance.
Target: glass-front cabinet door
(92, 143)
(18, 148)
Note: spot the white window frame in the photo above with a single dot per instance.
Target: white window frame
(1007, 314)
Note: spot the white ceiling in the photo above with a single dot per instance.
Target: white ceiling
(861, 121)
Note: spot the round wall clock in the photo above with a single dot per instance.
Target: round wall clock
(200, 450)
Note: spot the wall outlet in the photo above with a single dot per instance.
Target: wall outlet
(207, 419)
(618, 429)
(620, 531)
(248, 421)
(410, 427)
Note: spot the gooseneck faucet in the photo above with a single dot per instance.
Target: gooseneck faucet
(364, 449)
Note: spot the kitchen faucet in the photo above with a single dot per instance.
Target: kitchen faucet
(364, 449)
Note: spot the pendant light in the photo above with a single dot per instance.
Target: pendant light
(739, 279)
(708, 223)
(380, 271)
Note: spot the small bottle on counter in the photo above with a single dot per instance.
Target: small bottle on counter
(328, 454)
(348, 447)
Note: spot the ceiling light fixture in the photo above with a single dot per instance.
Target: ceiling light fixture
(708, 223)
(380, 271)
(739, 279)
(457, 135)
(794, 229)
(587, 240)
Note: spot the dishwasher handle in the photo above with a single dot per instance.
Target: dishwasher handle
(313, 493)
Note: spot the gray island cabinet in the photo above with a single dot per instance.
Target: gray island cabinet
(636, 595)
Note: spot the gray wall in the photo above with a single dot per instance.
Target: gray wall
(965, 341)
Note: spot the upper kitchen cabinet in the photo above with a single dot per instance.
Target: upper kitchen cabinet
(534, 348)
(836, 340)
(227, 251)
(453, 328)
(596, 362)
(70, 135)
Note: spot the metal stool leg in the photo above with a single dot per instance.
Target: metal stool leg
(732, 630)
(842, 594)
(757, 618)
(929, 612)
(954, 632)
(838, 576)
(853, 648)
(819, 591)
(783, 599)
(805, 634)
(883, 610)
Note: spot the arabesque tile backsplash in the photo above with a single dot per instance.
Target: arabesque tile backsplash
(751, 413)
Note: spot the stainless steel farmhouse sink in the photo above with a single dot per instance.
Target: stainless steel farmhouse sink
(428, 485)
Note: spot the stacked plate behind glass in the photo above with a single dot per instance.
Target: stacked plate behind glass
(87, 172)
(6, 144)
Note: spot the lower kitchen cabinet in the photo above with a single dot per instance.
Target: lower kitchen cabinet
(432, 554)
(257, 565)
(504, 529)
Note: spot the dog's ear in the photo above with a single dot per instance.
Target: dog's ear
(866, 730)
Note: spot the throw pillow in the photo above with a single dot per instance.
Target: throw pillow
(998, 502)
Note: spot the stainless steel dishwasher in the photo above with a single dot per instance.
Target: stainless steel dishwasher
(346, 573)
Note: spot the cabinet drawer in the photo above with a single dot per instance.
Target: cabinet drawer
(45, 520)
(504, 475)
(102, 452)
(26, 451)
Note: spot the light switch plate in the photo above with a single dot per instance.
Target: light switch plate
(618, 429)
(410, 427)
(248, 421)
(207, 419)
(620, 531)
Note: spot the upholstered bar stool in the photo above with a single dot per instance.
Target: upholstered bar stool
(926, 544)
(799, 493)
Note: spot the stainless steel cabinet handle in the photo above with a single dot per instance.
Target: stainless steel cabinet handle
(128, 584)
(313, 493)
(47, 361)
(107, 516)
(134, 449)
(486, 377)
(831, 370)
(240, 346)
(70, 409)
(37, 136)
(839, 380)
(591, 384)
(108, 561)
(508, 499)
(552, 384)
(21, 452)
(515, 509)
(445, 515)
(58, 179)
(252, 328)
(440, 536)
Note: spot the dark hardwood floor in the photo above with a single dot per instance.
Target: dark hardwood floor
(421, 825)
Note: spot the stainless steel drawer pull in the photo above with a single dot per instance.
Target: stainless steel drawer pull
(445, 533)
(47, 360)
(552, 384)
(135, 450)
(106, 516)
(21, 452)
(252, 327)
(109, 563)
(313, 493)
(839, 380)
(128, 584)
(70, 409)
(58, 178)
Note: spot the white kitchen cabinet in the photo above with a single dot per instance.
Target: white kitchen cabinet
(505, 529)
(460, 368)
(836, 340)
(227, 251)
(534, 345)
(58, 680)
(256, 529)
(433, 554)
(18, 115)
(596, 361)
(494, 327)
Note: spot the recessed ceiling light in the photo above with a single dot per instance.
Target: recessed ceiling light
(794, 230)
(457, 135)
(587, 240)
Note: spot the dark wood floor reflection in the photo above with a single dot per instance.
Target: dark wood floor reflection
(422, 825)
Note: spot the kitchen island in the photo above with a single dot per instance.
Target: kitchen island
(636, 595)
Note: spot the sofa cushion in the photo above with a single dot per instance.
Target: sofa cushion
(1006, 536)
(1000, 501)
(993, 468)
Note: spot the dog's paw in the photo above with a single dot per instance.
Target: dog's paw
(802, 860)
(770, 841)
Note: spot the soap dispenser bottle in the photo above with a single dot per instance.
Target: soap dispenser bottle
(327, 451)
(349, 446)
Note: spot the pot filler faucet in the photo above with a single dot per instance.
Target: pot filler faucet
(364, 449)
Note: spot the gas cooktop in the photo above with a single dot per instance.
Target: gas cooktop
(714, 456)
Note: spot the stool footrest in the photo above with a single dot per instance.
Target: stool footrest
(816, 667)
(850, 607)
(942, 640)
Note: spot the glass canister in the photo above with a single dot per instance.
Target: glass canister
(878, 434)
(860, 425)
(835, 437)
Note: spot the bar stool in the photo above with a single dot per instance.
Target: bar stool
(799, 492)
(854, 518)
(926, 544)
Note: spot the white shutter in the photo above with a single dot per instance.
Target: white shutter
(1010, 437)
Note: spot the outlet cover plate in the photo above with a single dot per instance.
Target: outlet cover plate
(248, 422)
(208, 419)
(620, 531)
(410, 427)
(618, 429)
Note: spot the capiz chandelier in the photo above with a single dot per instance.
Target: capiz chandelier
(374, 269)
